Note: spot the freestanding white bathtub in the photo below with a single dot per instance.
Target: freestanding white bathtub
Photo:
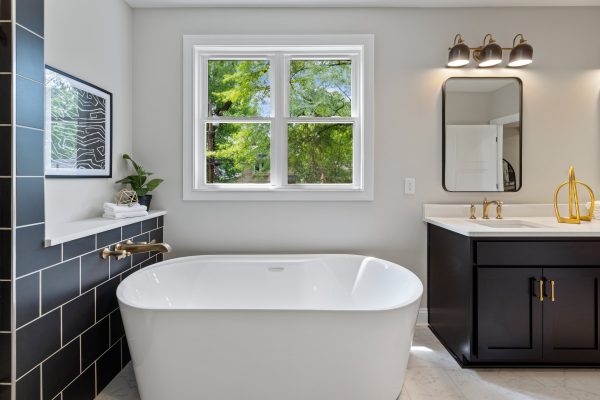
(276, 327)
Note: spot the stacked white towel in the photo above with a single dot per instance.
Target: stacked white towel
(596, 208)
(120, 211)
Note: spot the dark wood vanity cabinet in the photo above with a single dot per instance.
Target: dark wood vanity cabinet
(491, 299)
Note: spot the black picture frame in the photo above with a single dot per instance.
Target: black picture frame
(94, 115)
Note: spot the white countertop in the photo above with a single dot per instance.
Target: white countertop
(60, 233)
(456, 218)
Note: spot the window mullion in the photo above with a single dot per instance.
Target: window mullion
(278, 129)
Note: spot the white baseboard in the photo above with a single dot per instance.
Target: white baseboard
(422, 317)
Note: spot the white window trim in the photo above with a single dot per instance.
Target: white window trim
(193, 45)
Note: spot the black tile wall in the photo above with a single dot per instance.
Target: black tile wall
(5, 10)
(30, 55)
(30, 103)
(5, 392)
(149, 224)
(5, 305)
(94, 342)
(30, 13)
(30, 152)
(5, 254)
(109, 237)
(83, 388)
(60, 369)
(5, 202)
(37, 341)
(28, 387)
(78, 247)
(108, 366)
(30, 195)
(5, 47)
(5, 150)
(80, 319)
(60, 284)
(132, 230)
(78, 315)
(5, 99)
(32, 255)
(5, 352)
(28, 298)
(94, 271)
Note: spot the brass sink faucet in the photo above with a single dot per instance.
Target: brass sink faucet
(128, 248)
(486, 205)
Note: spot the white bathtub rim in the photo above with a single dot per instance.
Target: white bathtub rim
(405, 303)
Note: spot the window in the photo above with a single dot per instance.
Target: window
(278, 118)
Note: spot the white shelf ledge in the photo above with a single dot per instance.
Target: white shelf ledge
(61, 233)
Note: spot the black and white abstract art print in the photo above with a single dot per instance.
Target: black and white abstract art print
(78, 139)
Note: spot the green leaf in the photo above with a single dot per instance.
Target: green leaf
(153, 184)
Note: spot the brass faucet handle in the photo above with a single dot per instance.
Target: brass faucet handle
(118, 254)
(473, 212)
(499, 210)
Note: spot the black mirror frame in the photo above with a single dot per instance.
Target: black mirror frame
(520, 82)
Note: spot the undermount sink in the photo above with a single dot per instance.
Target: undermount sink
(507, 224)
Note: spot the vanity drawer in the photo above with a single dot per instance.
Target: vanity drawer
(575, 253)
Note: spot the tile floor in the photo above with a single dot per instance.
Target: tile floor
(434, 375)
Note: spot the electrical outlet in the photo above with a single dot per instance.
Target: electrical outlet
(409, 186)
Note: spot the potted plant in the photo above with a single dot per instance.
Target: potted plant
(139, 182)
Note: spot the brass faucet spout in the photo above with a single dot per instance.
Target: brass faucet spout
(143, 247)
(486, 205)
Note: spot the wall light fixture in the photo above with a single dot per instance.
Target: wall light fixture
(489, 53)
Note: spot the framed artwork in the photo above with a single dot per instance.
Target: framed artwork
(78, 140)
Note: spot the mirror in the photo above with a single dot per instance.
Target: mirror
(482, 134)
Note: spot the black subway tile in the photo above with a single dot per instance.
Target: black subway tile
(30, 14)
(5, 148)
(126, 355)
(5, 10)
(149, 262)
(94, 271)
(60, 284)
(28, 298)
(116, 327)
(161, 221)
(82, 388)
(108, 366)
(5, 99)
(78, 247)
(77, 316)
(32, 253)
(30, 152)
(139, 258)
(149, 224)
(5, 352)
(38, 340)
(5, 46)
(157, 235)
(30, 103)
(107, 238)
(5, 254)
(131, 230)
(28, 387)
(106, 298)
(5, 305)
(5, 201)
(118, 266)
(5, 392)
(94, 342)
(60, 369)
(30, 55)
(30, 198)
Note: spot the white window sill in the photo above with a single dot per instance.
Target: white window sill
(61, 233)
(278, 195)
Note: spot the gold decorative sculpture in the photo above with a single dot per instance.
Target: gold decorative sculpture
(574, 215)
(127, 197)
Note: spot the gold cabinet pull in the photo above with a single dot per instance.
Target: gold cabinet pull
(541, 282)
(552, 297)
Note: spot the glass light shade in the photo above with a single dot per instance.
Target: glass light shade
(459, 55)
(490, 55)
(521, 55)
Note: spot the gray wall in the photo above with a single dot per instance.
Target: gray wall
(411, 45)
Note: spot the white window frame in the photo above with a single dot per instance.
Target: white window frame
(197, 49)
